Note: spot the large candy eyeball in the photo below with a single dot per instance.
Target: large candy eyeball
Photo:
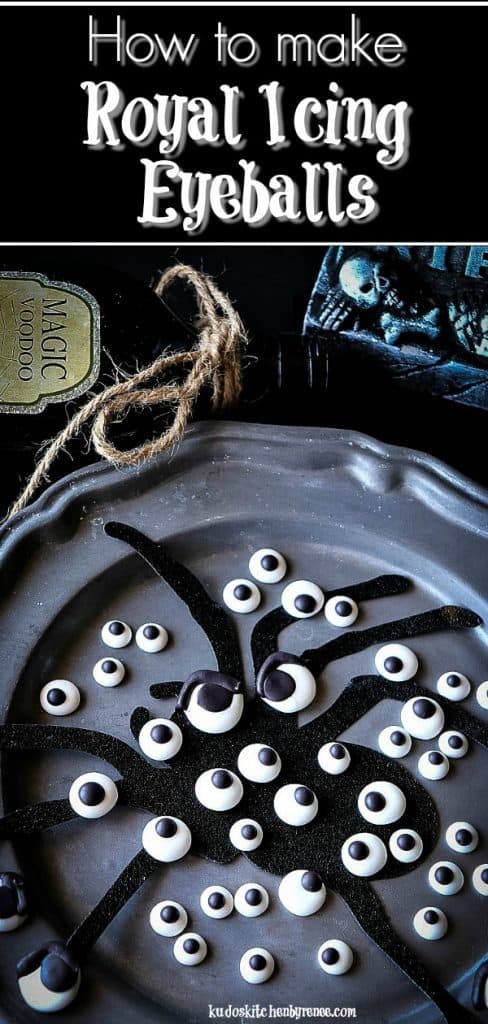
(335, 956)
(108, 672)
(216, 901)
(364, 854)
(446, 877)
(166, 839)
(49, 979)
(116, 633)
(341, 611)
(246, 835)
(480, 879)
(453, 685)
(152, 638)
(259, 763)
(453, 743)
(218, 789)
(394, 742)
(295, 804)
(190, 949)
(160, 739)
(462, 837)
(13, 901)
(285, 684)
(301, 599)
(396, 662)
(60, 697)
(212, 702)
(422, 717)
(168, 918)
(251, 900)
(334, 758)
(93, 795)
(257, 965)
(482, 695)
(406, 845)
(302, 892)
(381, 803)
(267, 565)
(242, 596)
(430, 923)
(433, 765)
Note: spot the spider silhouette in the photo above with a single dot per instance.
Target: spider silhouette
(215, 722)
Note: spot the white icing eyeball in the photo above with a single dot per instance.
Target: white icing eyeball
(214, 709)
(116, 633)
(301, 599)
(394, 742)
(453, 744)
(93, 795)
(53, 985)
(462, 837)
(13, 902)
(190, 949)
(396, 662)
(257, 965)
(166, 839)
(160, 739)
(335, 956)
(60, 697)
(216, 901)
(453, 685)
(295, 804)
(381, 803)
(151, 637)
(108, 672)
(267, 565)
(482, 695)
(246, 835)
(251, 900)
(430, 923)
(422, 717)
(341, 611)
(334, 758)
(480, 879)
(259, 763)
(242, 596)
(302, 892)
(288, 687)
(406, 845)
(446, 878)
(364, 854)
(218, 789)
(168, 918)
(433, 765)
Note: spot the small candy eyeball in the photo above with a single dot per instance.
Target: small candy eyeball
(295, 804)
(422, 717)
(453, 685)
(246, 835)
(301, 599)
(168, 918)
(216, 901)
(257, 965)
(218, 789)
(251, 900)
(396, 662)
(108, 672)
(93, 795)
(406, 845)
(453, 744)
(116, 633)
(152, 638)
(381, 803)
(302, 892)
(482, 695)
(430, 923)
(364, 854)
(462, 837)
(334, 758)
(60, 697)
(259, 763)
(242, 596)
(446, 877)
(190, 949)
(13, 901)
(212, 701)
(433, 765)
(341, 611)
(285, 683)
(267, 565)
(335, 956)
(160, 739)
(480, 879)
(166, 839)
(49, 980)
(394, 742)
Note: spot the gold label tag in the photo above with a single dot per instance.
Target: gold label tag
(49, 342)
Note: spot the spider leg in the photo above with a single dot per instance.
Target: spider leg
(24, 737)
(166, 689)
(35, 818)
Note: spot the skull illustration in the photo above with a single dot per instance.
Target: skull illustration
(364, 281)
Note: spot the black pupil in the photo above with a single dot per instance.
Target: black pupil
(406, 842)
(161, 733)
(431, 917)
(216, 900)
(116, 628)
(435, 758)
(8, 902)
(278, 686)
(444, 875)
(56, 697)
(455, 742)
(311, 881)
(343, 609)
(393, 664)
(109, 666)
(249, 831)
(56, 975)
(424, 708)
(242, 592)
(463, 837)
(191, 946)
(91, 794)
(398, 738)
(170, 914)
(269, 563)
(305, 603)
(337, 751)
(253, 897)
(484, 876)
(257, 962)
(221, 779)
(375, 802)
(330, 955)
(358, 850)
(304, 796)
(267, 756)
(150, 632)
(166, 828)
(453, 680)
(214, 697)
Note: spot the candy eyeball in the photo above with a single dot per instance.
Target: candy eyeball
(216, 901)
(396, 662)
(242, 596)
(430, 923)
(160, 739)
(116, 634)
(406, 845)
(13, 901)
(453, 685)
(166, 839)
(341, 611)
(302, 892)
(301, 599)
(394, 742)
(453, 744)
(295, 804)
(335, 956)
(462, 837)
(267, 566)
(482, 695)
(190, 949)
(219, 789)
(364, 854)
(285, 684)
(446, 878)
(334, 758)
(480, 879)
(168, 918)
(246, 835)
(251, 900)
(433, 765)
(49, 979)
(93, 795)
(152, 638)
(381, 803)
(259, 763)
(212, 702)
(422, 717)
(108, 672)
(257, 965)
(60, 697)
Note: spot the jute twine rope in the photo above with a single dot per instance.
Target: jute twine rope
(216, 360)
